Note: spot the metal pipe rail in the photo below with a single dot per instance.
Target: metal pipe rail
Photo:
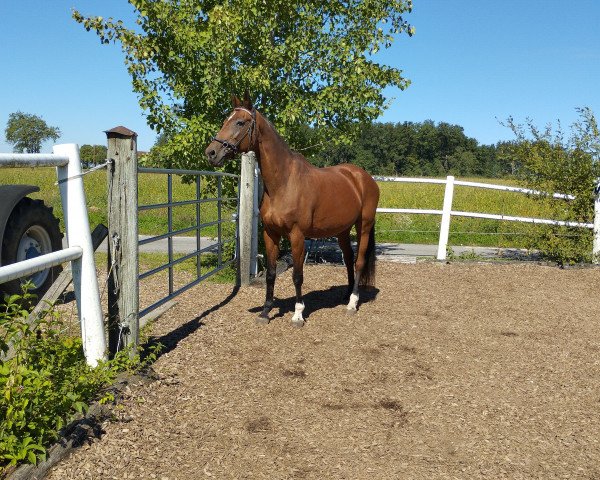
(179, 171)
(80, 251)
(28, 267)
(186, 287)
(210, 248)
(154, 206)
(175, 233)
(197, 227)
(24, 160)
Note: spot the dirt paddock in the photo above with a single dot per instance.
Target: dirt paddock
(449, 371)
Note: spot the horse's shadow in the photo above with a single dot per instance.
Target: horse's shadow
(333, 297)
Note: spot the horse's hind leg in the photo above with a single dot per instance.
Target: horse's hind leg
(272, 250)
(364, 230)
(297, 241)
(348, 253)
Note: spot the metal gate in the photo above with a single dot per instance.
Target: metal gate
(213, 246)
(231, 233)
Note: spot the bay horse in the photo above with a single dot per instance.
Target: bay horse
(302, 201)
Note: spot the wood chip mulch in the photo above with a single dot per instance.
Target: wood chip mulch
(448, 371)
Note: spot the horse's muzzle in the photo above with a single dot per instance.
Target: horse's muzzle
(215, 156)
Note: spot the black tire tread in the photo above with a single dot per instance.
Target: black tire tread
(23, 211)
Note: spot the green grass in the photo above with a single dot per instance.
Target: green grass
(401, 228)
(152, 189)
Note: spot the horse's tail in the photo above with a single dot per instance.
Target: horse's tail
(367, 277)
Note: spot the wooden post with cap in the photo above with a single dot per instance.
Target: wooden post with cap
(123, 269)
(245, 217)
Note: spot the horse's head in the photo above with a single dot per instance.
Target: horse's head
(237, 133)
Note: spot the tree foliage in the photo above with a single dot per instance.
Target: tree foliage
(416, 149)
(91, 155)
(27, 132)
(305, 62)
(551, 160)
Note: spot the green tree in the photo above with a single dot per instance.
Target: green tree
(414, 149)
(92, 155)
(27, 132)
(552, 161)
(506, 160)
(305, 62)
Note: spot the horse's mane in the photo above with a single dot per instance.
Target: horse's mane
(282, 140)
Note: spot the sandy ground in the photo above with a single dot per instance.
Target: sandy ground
(448, 371)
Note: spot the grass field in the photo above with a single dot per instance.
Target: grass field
(152, 190)
(402, 228)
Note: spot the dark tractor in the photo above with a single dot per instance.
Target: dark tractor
(28, 228)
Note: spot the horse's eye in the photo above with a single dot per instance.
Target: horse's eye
(240, 123)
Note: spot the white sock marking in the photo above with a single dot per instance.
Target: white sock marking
(353, 302)
(298, 313)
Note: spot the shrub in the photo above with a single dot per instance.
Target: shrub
(44, 383)
(550, 161)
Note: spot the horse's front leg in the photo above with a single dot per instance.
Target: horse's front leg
(272, 251)
(297, 241)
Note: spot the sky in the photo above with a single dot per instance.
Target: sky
(472, 63)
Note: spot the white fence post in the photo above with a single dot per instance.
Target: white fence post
(596, 243)
(246, 215)
(446, 213)
(85, 281)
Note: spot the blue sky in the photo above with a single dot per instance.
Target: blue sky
(471, 63)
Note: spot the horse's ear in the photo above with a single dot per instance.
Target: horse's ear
(247, 100)
(235, 101)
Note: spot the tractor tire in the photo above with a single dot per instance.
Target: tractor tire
(32, 230)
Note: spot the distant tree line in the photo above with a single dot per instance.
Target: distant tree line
(416, 149)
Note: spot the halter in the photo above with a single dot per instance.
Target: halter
(234, 146)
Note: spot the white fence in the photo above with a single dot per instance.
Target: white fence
(79, 251)
(447, 211)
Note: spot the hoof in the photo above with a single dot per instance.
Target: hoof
(351, 311)
(262, 320)
(297, 323)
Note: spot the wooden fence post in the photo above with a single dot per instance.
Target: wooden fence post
(123, 297)
(246, 215)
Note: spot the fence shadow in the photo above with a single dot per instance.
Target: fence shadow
(333, 297)
(169, 341)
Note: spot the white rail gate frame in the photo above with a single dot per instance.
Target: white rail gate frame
(79, 251)
(447, 211)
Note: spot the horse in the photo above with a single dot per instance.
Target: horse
(302, 201)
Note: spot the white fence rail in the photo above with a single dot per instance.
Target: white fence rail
(79, 252)
(447, 211)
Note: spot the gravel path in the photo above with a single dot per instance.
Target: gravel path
(450, 371)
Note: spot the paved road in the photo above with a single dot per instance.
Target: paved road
(400, 252)
(180, 244)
